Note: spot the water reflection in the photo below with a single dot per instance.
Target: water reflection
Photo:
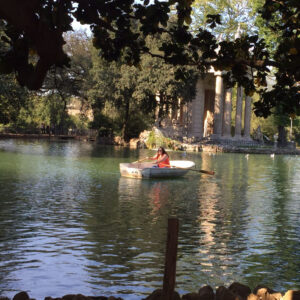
(214, 240)
(277, 228)
(70, 224)
(159, 195)
(127, 246)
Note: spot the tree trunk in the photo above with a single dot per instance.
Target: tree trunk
(62, 128)
(282, 138)
(125, 136)
(161, 110)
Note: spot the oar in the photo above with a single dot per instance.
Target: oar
(204, 171)
(200, 171)
(140, 160)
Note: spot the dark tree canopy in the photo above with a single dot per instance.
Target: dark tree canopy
(34, 31)
(34, 34)
(283, 18)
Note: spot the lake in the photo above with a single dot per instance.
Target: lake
(70, 224)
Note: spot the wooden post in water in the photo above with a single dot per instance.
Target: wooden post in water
(170, 263)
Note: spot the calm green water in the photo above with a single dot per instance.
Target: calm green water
(70, 224)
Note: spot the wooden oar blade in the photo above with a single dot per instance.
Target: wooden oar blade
(207, 172)
(195, 170)
(134, 162)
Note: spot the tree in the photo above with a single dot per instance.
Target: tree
(270, 36)
(12, 96)
(12, 99)
(49, 105)
(235, 15)
(34, 30)
(283, 99)
(162, 80)
(116, 83)
(133, 90)
(276, 23)
(283, 19)
(63, 83)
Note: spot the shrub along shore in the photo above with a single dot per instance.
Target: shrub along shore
(236, 291)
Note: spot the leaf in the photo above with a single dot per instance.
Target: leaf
(188, 19)
(6, 67)
(251, 93)
(293, 51)
(32, 52)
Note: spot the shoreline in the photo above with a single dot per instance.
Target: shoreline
(203, 146)
(38, 136)
(251, 150)
(235, 291)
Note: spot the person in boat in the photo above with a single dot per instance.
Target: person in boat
(162, 158)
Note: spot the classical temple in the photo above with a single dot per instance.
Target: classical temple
(208, 115)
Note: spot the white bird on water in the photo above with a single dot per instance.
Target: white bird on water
(272, 155)
(247, 156)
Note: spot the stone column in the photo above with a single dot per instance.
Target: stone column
(218, 109)
(198, 110)
(247, 118)
(239, 112)
(227, 114)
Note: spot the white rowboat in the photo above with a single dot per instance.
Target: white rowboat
(146, 170)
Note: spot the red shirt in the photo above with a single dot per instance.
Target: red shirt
(165, 163)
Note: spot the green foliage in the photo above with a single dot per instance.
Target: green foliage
(115, 83)
(132, 91)
(49, 106)
(104, 124)
(137, 123)
(296, 130)
(124, 32)
(156, 140)
(267, 126)
(79, 122)
(54, 109)
(224, 17)
(278, 23)
(12, 99)
(270, 37)
(48, 110)
(34, 43)
(283, 19)
(151, 140)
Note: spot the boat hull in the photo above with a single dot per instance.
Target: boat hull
(146, 170)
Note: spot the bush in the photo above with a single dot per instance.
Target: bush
(103, 124)
(158, 140)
